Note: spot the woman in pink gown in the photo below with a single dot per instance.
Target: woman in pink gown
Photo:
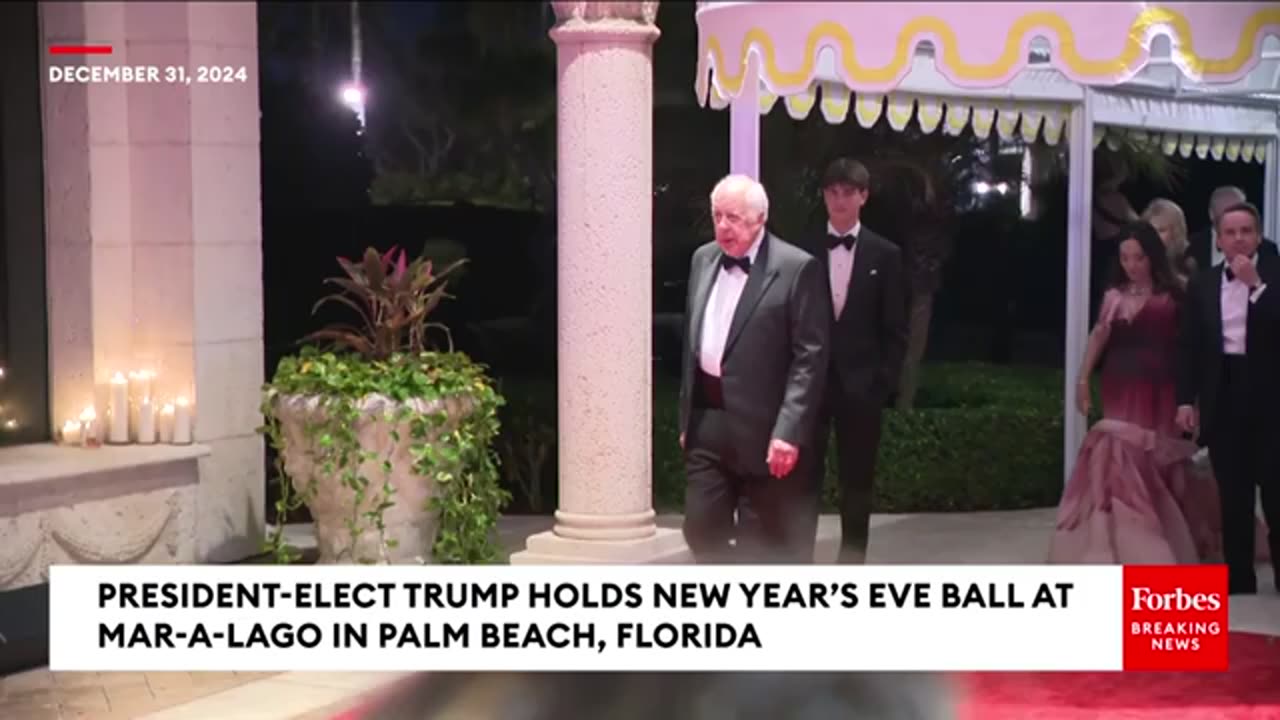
(1133, 477)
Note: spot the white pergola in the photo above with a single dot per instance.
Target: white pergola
(1197, 78)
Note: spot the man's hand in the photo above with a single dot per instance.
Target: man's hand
(1187, 420)
(782, 457)
(1245, 271)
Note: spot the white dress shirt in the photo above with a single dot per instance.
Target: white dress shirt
(841, 266)
(1236, 298)
(726, 290)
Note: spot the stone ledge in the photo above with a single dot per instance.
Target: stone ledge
(43, 476)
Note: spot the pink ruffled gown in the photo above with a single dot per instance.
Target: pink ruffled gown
(1134, 496)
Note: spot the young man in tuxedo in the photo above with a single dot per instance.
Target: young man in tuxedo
(866, 290)
(755, 367)
(1228, 359)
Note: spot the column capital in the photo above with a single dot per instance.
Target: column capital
(585, 11)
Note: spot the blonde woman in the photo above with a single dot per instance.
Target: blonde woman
(1171, 224)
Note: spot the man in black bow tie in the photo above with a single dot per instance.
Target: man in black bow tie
(1228, 364)
(755, 364)
(868, 298)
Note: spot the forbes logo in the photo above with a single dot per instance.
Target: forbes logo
(1145, 598)
(1175, 617)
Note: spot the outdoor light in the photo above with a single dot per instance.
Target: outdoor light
(982, 187)
(353, 96)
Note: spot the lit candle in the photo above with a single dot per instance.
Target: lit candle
(140, 384)
(118, 409)
(89, 427)
(166, 423)
(71, 430)
(146, 422)
(182, 422)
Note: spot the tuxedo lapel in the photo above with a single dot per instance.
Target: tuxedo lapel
(761, 277)
(1264, 272)
(822, 254)
(1214, 301)
(864, 262)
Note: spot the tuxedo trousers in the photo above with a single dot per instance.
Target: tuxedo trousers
(856, 428)
(1243, 453)
(736, 514)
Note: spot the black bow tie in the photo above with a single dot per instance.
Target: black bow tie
(834, 241)
(728, 262)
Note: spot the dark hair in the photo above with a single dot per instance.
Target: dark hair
(847, 171)
(1162, 276)
(1244, 207)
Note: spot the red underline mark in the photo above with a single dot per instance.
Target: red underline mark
(80, 50)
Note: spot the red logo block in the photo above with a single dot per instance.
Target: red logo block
(1175, 617)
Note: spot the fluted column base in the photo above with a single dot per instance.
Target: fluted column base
(665, 546)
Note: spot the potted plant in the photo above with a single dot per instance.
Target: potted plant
(386, 441)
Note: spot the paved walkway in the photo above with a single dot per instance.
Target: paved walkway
(961, 538)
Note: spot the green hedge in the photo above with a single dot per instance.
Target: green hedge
(981, 438)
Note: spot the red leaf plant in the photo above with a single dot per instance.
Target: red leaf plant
(393, 299)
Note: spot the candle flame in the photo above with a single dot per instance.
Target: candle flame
(88, 414)
(10, 424)
(182, 402)
(1, 373)
(118, 379)
(167, 409)
(70, 425)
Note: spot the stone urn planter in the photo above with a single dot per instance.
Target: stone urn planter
(344, 504)
(387, 442)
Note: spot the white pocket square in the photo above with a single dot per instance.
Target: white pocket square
(874, 271)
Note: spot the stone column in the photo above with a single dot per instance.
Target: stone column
(154, 235)
(605, 255)
(88, 248)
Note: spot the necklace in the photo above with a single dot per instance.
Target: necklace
(1136, 290)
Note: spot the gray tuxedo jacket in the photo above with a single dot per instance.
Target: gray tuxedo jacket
(774, 368)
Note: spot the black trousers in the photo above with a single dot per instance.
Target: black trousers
(768, 519)
(857, 434)
(1244, 455)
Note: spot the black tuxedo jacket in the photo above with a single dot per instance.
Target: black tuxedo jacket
(774, 367)
(869, 340)
(1200, 343)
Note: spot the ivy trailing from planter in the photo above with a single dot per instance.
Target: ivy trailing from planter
(445, 400)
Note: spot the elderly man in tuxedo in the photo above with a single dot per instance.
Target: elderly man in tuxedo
(1228, 360)
(755, 366)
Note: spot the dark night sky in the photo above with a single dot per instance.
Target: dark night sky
(404, 22)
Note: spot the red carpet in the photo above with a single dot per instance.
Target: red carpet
(1250, 689)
